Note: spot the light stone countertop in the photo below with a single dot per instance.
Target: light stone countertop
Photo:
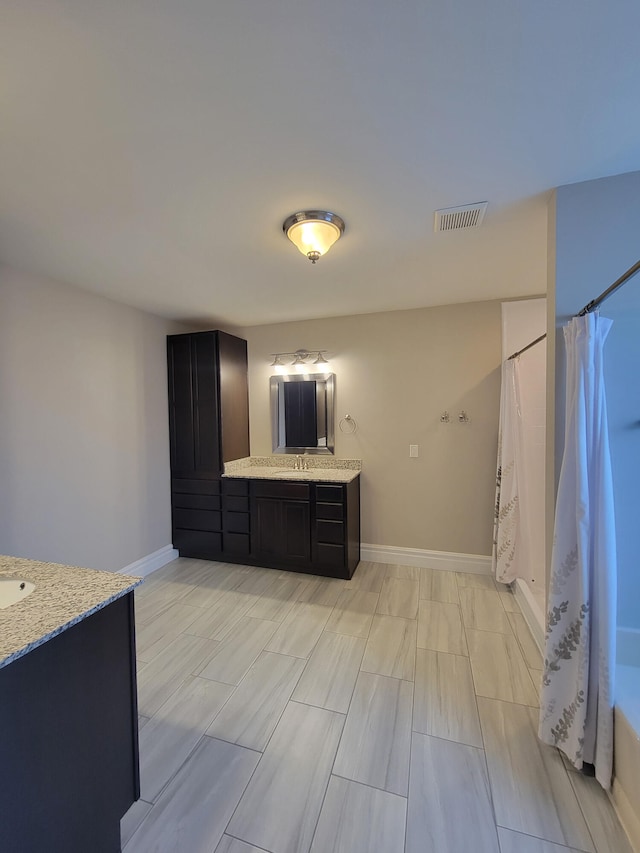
(64, 595)
(313, 475)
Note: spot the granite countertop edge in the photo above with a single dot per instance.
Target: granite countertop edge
(64, 596)
(325, 475)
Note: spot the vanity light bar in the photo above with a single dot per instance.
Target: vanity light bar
(300, 356)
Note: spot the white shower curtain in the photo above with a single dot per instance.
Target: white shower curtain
(576, 708)
(506, 525)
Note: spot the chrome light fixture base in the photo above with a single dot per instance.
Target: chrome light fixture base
(313, 232)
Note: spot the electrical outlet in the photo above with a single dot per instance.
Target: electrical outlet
(413, 450)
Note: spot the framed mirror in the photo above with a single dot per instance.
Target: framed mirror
(302, 413)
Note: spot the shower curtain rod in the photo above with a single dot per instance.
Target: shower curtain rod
(528, 346)
(590, 306)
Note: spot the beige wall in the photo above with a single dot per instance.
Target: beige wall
(84, 458)
(396, 372)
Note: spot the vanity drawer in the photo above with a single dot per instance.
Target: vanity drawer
(329, 493)
(236, 522)
(330, 555)
(333, 511)
(197, 519)
(236, 504)
(272, 489)
(237, 543)
(197, 543)
(329, 531)
(235, 487)
(196, 487)
(185, 501)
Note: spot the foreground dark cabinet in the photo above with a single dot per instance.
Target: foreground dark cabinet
(69, 738)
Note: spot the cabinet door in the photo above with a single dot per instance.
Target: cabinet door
(205, 404)
(181, 425)
(234, 397)
(296, 531)
(267, 528)
(282, 531)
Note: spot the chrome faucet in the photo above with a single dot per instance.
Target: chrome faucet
(297, 465)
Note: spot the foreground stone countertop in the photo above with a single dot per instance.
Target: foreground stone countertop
(64, 595)
(322, 469)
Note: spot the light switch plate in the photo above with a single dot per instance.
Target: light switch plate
(413, 450)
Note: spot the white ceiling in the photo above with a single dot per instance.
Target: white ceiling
(151, 149)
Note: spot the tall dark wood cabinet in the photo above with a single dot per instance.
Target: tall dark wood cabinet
(208, 426)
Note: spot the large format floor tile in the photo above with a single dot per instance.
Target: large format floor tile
(300, 630)
(483, 610)
(157, 680)
(132, 820)
(326, 592)
(531, 789)
(375, 744)
(475, 580)
(173, 732)
(353, 613)
(241, 647)
(449, 799)
(516, 842)
(278, 599)
(194, 809)
(391, 647)
(154, 636)
(358, 819)
(234, 845)
(499, 670)
(603, 823)
(444, 703)
(439, 586)
(330, 675)
(440, 628)
(222, 615)
(532, 654)
(280, 807)
(403, 572)
(368, 577)
(252, 713)
(399, 597)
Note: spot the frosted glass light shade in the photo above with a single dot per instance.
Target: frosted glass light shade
(313, 232)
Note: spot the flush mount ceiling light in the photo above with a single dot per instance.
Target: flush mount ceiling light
(313, 231)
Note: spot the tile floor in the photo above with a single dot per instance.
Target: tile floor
(392, 713)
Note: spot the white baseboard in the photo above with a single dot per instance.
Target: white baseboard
(530, 608)
(145, 565)
(444, 560)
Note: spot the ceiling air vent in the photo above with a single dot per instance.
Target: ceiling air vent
(456, 218)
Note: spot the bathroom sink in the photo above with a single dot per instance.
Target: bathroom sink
(13, 590)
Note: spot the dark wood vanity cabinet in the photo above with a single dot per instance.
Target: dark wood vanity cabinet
(302, 526)
(208, 426)
(306, 527)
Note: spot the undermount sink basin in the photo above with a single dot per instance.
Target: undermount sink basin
(13, 590)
